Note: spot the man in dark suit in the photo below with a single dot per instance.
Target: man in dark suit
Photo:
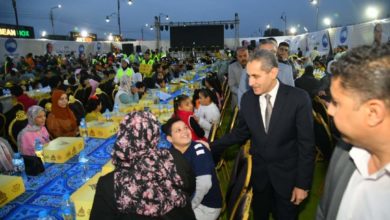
(357, 184)
(278, 120)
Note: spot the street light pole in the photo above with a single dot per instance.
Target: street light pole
(317, 9)
(284, 18)
(157, 26)
(52, 21)
(16, 13)
(52, 17)
(119, 18)
(316, 3)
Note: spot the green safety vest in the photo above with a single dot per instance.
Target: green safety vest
(132, 58)
(129, 71)
(150, 62)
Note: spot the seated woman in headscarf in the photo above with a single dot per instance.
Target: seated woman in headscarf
(147, 183)
(6, 155)
(127, 93)
(61, 121)
(35, 130)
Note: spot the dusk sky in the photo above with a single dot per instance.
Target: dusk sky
(254, 15)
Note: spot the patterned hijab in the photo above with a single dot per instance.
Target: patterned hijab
(125, 83)
(146, 181)
(6, 154)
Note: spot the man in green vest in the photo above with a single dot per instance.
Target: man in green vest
(147, 59)
(125, 69)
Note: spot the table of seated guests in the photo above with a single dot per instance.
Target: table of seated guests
(45, 191)
(7, 100)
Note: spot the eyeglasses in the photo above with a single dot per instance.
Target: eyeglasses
(283, 49)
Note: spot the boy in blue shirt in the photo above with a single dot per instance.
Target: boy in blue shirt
(207, 199)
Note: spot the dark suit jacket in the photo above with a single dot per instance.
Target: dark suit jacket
(339, 172)
(285, 156)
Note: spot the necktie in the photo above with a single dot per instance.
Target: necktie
(268, 111)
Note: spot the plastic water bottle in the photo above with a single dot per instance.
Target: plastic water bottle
(170, 109)
(107, 114)
(157, 98)
(19, 168)
(116, 109)
(83, 160)
(84, 130)
(44, 215)
(39, 149)
(67, 208)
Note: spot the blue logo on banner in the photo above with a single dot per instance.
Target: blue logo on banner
(99, 46)
(325, 41)
(343, 35)
(10, 45)
(81, 48)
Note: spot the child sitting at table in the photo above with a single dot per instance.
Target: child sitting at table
(212, 83)
(208, 112)
(28, 137)
(22, 97)
(160, 83)
(184, 110)
(94, 106)
(207, 200)
(127, 93)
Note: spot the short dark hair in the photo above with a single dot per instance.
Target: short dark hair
(267, 58)
(285, 44)
(16, 90)
(92, 103)
(167, 127)
(365, 70)
(160, 81)
(139, 85)
(178, 100)
(208, 93)
(268, 41)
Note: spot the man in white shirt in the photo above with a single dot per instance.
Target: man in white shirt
(235, 71)
(358, 182)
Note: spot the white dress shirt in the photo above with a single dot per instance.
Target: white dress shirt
(263, 101)
(367, 196)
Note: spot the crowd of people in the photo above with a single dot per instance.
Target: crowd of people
(273, 90)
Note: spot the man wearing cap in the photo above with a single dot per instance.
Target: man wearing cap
(125, 69)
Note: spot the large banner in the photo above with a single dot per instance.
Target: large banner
(352, 36)
(21, 47)
(319, 39)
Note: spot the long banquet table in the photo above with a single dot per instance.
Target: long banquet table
(44, 192)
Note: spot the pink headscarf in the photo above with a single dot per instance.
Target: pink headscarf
(94, 84)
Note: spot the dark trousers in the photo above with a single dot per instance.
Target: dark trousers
(268, 201)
